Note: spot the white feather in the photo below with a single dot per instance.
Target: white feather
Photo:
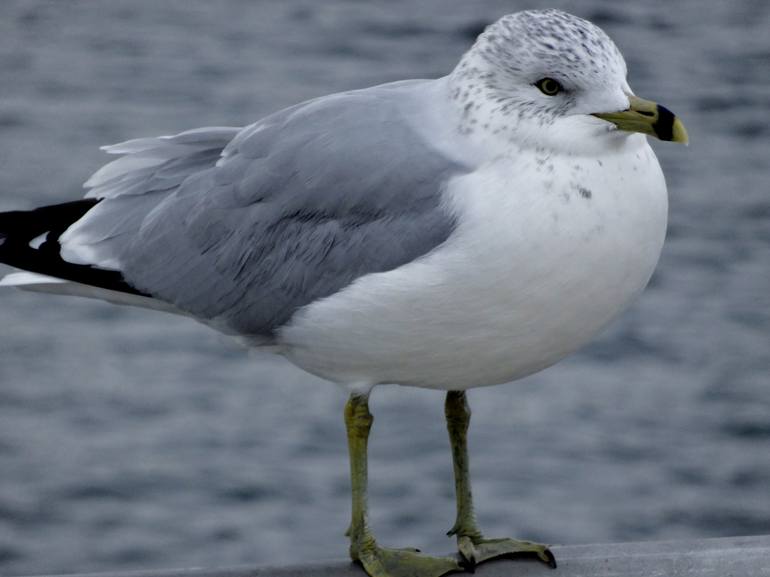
(38, 240)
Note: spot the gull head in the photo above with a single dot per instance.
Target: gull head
(546, 78)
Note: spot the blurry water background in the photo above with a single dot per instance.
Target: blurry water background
(131, 439)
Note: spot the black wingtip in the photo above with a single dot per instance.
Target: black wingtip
(19, 228)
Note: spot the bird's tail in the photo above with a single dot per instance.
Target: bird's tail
(29, 240)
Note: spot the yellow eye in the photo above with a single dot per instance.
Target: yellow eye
(549, 86)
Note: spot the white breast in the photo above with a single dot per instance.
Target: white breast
(547, 252)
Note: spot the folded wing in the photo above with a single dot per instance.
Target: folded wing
(241, 228)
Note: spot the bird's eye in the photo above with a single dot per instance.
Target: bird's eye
(549, 86)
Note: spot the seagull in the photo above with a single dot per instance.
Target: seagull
(446, 233)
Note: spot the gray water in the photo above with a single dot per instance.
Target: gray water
(131, 439)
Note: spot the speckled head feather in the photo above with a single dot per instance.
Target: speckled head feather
(550, 41)
(495, 82)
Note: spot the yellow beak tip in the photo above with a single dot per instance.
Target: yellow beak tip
(679, 133)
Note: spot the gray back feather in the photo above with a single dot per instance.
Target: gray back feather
(299, 206)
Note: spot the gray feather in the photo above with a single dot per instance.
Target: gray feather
(299, 206)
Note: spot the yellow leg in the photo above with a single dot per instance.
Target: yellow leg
(378, 561)
(473, 547)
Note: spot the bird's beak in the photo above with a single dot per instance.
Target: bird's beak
(647, 117)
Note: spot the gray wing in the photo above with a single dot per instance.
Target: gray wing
(299, 206)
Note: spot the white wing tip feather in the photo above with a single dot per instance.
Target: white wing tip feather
(29, 280)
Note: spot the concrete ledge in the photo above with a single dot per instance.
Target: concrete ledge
(732, 557)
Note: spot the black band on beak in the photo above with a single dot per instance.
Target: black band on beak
(664, 126)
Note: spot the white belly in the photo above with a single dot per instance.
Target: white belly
(531, 274)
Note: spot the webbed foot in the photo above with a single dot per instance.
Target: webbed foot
(476, 550)
(382, 562)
